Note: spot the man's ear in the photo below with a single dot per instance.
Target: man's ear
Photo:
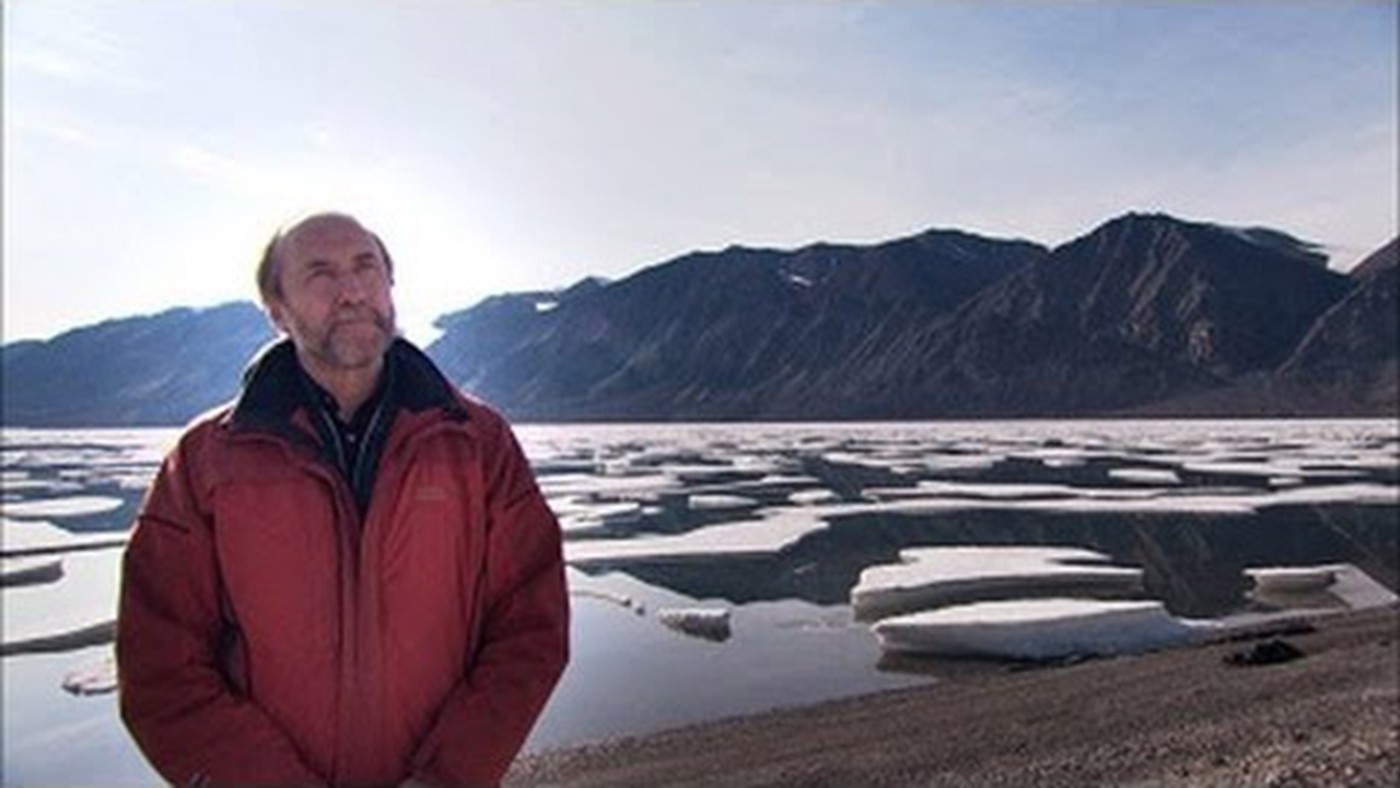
(275, 316)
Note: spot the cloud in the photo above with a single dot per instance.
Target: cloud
(58, 130)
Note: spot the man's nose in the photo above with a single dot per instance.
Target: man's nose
(351, 290)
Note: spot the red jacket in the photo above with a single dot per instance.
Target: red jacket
(268, 636)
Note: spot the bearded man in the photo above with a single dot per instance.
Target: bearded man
(348, 576)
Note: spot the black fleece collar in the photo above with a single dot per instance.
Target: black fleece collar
(273, 391)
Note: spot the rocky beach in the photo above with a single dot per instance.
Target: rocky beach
(1220, 713)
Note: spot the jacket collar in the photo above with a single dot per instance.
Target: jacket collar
(273, 390)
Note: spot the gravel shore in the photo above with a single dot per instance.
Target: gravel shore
(1171, 718)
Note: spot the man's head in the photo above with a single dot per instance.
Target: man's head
(325, 280)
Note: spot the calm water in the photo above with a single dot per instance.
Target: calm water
(772, 523)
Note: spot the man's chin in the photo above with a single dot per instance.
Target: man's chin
(358, 352)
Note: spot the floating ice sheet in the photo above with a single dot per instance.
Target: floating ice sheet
(74, 506)
(1038, 629)
(30, 571)
(1293, 579)
(779, 527)
(96, 678)
(1145, 475)
(712, 502)
(27, 536)
(810, 497)
(85, 600)
(931, 577)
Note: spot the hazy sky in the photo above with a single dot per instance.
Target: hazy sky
(151, 147)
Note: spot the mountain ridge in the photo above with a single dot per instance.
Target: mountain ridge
(1145, 314)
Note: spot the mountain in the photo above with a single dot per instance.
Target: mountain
(1387, 256)
(1144, 308)
(1146, 315)
(1352, 353)
(739, 333)
(153, 370)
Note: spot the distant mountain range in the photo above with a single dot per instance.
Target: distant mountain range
(1146, 315)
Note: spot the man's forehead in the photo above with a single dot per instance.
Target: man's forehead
(325, 233)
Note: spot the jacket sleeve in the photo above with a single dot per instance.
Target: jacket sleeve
(177, 703)
(524, 639)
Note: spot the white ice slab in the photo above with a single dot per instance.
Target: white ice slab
(30, 571)
(929, 577)
(86, 597)
(61, 507)
(765, 534)
(716, 501)
(812, 497)
(1038, 629)
(1292, 579)
(96, 678)
(1365, 494)
(783, 480)
(1145, 475)
(1359, 590)
(18, 536)
(566, 484)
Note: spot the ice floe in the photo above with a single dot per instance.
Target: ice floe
(589, 484)
(711, 502)
(73, 506)
(811, 497)
(30, 571)
(577, 516)
(29, 537)
(1145, 475)
(621, 600)
(97, 678)
(775, 528)
(707, 623)
(1039, 629)
(931, 577)
(1292, 579)
(78, 610)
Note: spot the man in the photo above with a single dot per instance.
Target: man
(348, 576)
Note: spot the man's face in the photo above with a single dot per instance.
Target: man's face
(335, 302)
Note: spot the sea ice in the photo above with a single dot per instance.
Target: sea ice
(972, 491)
(621, 600)
(582, 484)
(98, 678)
(928, 577)
(62, 507)
(1292, 579)
(1038, 629)
(1145, 475)
(811, 497)
(578, 517)
(707, 623)
(709, 502)
(770, 532)
(30, 571)
(37, 536)
(80, 607)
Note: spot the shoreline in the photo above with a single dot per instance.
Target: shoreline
(1180, 716)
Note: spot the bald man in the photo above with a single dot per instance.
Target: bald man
(347, 576)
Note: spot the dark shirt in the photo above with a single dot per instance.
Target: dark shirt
(354, 446)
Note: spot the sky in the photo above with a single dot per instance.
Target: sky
(152, 146)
